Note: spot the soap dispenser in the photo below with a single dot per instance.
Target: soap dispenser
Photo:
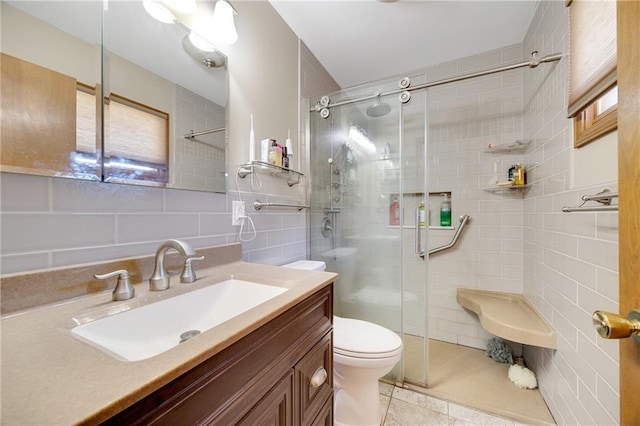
(445, 211)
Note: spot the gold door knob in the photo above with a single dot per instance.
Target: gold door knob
(614, 326)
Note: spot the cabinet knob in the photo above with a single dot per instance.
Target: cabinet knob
(318, 378)
(614, 326)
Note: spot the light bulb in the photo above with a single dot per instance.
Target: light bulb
(159, 11)
(182, 6)
(223, 27)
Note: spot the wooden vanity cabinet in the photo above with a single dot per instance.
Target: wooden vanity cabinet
(264, 378)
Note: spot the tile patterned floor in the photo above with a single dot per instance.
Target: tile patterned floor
(404, 407)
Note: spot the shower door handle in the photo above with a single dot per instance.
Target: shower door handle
(418, 238)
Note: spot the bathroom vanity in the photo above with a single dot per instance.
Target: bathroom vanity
(271, 364)
(265, 378)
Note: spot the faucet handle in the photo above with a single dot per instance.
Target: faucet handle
(188, 274)
(124, 290)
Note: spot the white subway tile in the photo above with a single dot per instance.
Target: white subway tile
(13, 186)
(597, 252)
(38, 231)
(155, 227)
(10, 264)
(594, 407)
(607, 368)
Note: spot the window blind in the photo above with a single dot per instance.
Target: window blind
(135, 131)
(86, 119)
(592, 55)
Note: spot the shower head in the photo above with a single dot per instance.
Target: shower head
(379, 108)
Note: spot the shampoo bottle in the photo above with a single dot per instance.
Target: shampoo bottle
(394, 212)
(273, 153)
(518, 175)
(445, 211)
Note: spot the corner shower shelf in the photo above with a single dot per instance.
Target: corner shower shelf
(293, 177)
(517, 147)
(505, 189)
(508, 315)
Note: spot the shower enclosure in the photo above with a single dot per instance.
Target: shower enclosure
(368, 168)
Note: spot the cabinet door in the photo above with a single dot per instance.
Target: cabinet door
(325, 416)
(313, 392)
(276, 408)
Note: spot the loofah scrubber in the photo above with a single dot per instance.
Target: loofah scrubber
(499, 351)
(522, 377)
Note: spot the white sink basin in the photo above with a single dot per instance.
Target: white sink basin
(155, 328)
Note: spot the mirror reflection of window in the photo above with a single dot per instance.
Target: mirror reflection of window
(52, 104)
(138, 141)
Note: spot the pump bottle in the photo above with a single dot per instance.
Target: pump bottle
(445, 211)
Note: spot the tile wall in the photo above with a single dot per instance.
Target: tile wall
(198, 163)
(466, 117)
(566, 264)
(52, 222)
(570, 260)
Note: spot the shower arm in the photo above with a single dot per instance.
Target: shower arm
(531, 63)
(463, 221)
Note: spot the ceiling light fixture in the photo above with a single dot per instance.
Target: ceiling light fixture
(208, 58)
(201, 43)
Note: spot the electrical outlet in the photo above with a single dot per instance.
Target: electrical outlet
(237, 214)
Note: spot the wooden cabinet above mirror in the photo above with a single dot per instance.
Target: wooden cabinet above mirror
(118, 106)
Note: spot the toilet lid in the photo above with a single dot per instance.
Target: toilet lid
(362, 339)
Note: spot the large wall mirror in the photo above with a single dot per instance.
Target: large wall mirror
(103, 91)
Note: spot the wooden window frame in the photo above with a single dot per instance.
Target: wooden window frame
(589, 124)
(592, 68)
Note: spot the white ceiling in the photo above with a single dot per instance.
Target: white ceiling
(365, 40)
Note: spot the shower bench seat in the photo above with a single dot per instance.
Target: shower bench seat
(508, 315)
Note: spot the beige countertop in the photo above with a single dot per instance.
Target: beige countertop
(51, 377)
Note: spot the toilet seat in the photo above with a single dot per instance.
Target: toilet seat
(361, 339)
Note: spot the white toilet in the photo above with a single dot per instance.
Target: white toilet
(363, 352)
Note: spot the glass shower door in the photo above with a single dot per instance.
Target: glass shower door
(367, 169)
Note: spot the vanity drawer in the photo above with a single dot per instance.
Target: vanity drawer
(314, 380)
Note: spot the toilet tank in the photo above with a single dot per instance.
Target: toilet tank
(310, 265)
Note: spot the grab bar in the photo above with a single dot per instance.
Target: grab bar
(463, 221)
(259, 204)
(418, 243)
(193, 134)
(604, 197)
(590, 209)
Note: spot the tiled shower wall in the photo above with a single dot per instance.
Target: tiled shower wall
(566, 264)
(571, 260)
(466, 117)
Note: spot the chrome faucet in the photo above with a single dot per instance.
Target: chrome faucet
(160, 278)
(124, 290)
